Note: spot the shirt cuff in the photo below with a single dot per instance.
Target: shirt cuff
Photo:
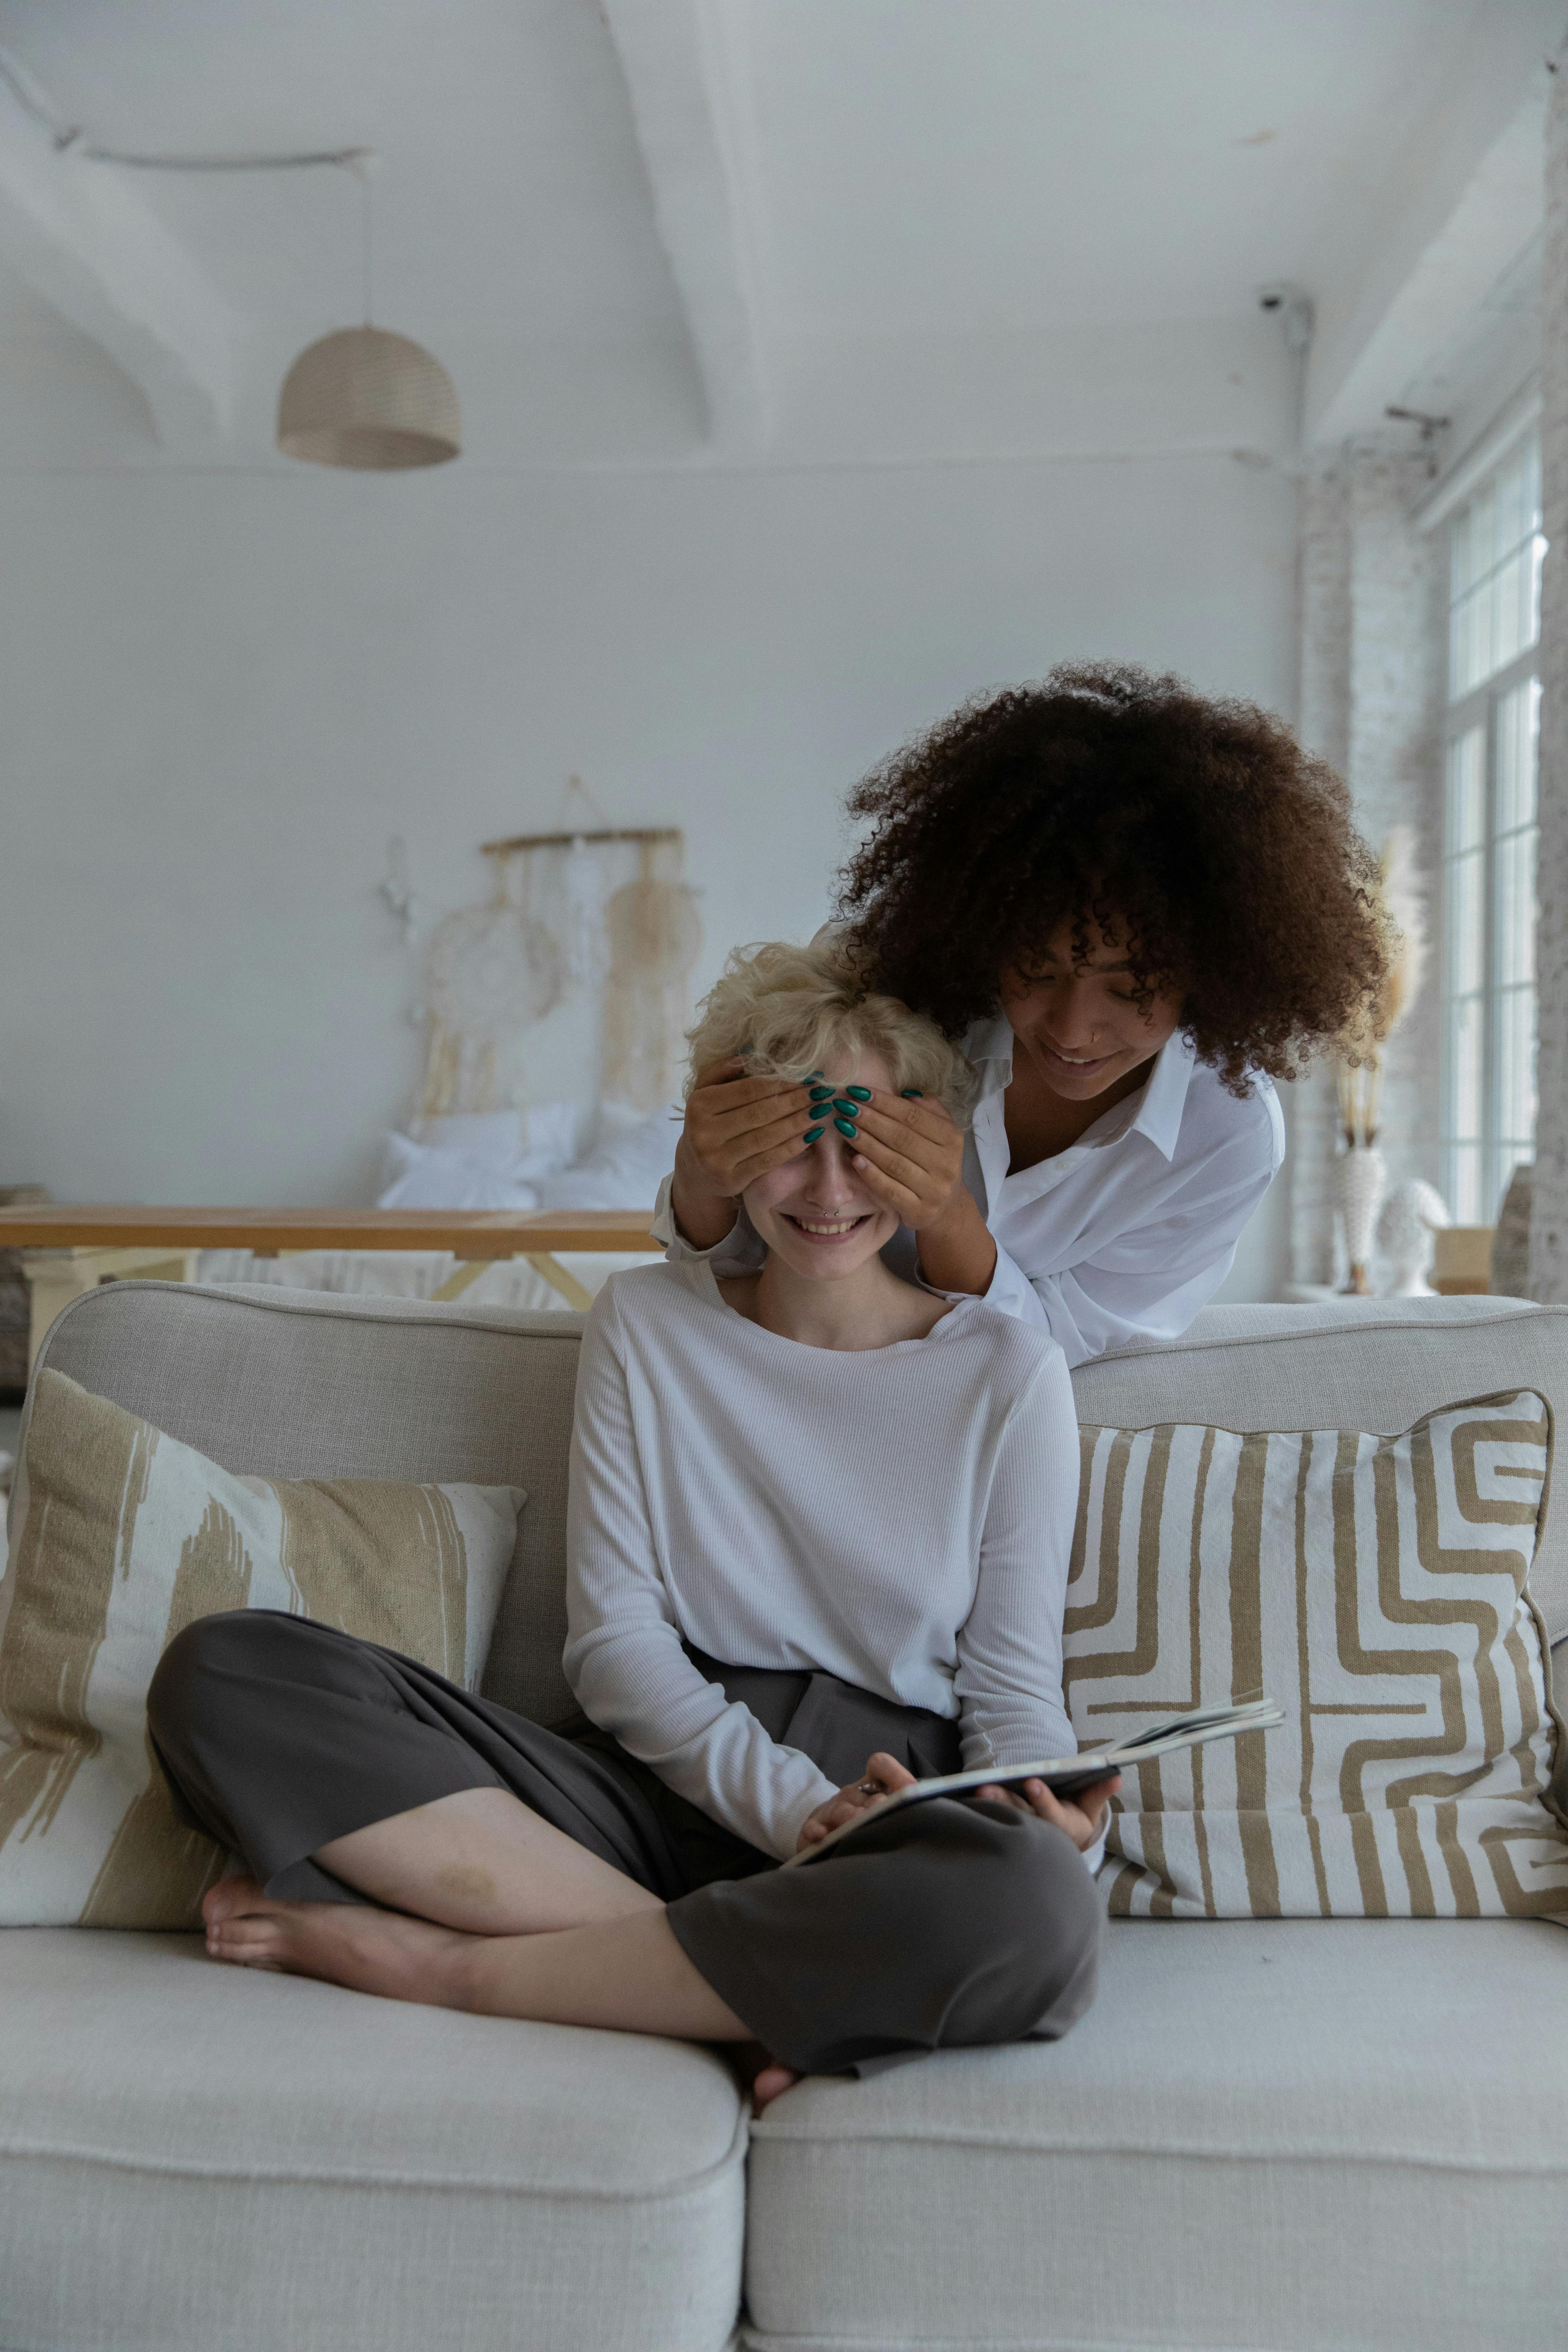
(1011, 1291)
(668, 1233)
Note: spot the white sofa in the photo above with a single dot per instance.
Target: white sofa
(1298, 2136)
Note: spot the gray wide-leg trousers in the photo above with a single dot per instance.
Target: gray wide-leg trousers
(953, 1925)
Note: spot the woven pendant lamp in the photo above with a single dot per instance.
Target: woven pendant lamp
(370, 400)
(376, 402)
(361, 398)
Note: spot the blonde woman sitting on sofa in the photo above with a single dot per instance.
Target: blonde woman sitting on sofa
(819, 1531)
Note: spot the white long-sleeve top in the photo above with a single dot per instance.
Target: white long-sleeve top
(1122, 1237)
(900, 1517)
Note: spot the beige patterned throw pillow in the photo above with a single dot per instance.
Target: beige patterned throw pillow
(125, 1537)
(1374, 1587)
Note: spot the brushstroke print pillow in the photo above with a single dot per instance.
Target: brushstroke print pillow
(1376, 1588)
(125, 1537)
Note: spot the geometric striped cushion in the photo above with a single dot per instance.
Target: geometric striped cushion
(1374, 1587)
(126, 1538)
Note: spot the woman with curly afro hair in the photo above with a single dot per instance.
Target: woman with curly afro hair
(1135, 906)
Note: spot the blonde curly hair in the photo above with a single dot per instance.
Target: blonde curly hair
(791, 1011)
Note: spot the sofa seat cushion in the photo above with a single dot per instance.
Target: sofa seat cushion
(194, 2155)
(1316, 2136)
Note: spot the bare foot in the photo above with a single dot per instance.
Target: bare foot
(346, 1943)
(760, 2073)
(773, 2079)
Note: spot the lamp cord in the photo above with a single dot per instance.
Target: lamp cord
(367, 226)
(69, 139)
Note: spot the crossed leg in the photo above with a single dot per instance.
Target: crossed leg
(492, 1910)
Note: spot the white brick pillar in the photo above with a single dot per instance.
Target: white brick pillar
(1549, 1218)
(1370, 675)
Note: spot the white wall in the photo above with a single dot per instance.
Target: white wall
(221, 692)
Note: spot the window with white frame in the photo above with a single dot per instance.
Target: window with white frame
(1495, 549)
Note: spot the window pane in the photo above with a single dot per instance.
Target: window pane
(1464, 937)
(1489, 849)
(1516, 1067)
(1514, 605)
(1462, 1182)
(1513, 914)
(1465, 1028)
(1465, 826)
(1469, 651)
(1518, 718)
(1494, 571)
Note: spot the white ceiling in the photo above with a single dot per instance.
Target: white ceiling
(1024, 162)
(663, 227)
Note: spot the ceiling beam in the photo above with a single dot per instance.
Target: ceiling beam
(84, 236)
(688, 101)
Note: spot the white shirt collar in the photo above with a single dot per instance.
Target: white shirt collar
(1164, 1093)
(1155, 1111)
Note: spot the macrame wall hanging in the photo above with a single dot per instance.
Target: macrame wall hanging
(601, 918)
(653, 937)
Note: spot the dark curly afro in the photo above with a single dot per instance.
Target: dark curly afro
(1107, 795)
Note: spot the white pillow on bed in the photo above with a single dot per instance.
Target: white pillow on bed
(423, 1176)
(633, 1157)
(460, 1163)
(478, 1160)
(546, 1134)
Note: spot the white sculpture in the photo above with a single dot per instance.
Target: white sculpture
(1412, 1214)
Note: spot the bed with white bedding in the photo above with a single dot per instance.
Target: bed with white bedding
(550, 1156)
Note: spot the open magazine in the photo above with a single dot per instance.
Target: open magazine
(1065, 1775)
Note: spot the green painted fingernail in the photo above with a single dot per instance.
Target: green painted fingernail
(821, 1094)
(913, 1094)
(814, 1074)
(847, 1126)
(812, 1134)
(860, 1093)
(850, 1109)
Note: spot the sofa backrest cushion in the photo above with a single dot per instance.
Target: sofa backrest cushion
(302, 1384)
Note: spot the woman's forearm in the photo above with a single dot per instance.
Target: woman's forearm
(702, 1217)
(956, 1251)
(635, 1681)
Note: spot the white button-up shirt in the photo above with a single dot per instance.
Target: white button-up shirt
(1122, 1237)
(1125, 1234)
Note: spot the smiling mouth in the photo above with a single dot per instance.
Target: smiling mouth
(825, 1229)
(1073, 1061)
